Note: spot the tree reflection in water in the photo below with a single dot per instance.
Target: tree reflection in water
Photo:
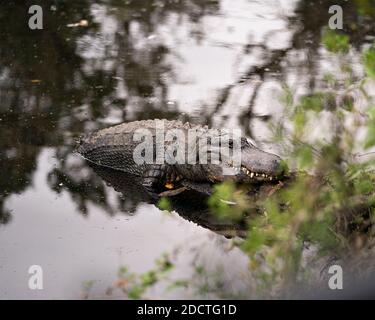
(60, 82)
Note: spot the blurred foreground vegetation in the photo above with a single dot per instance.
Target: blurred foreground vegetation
(329, 204)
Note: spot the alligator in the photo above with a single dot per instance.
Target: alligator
(114, 148)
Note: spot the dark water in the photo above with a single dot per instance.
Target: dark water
(217, 62)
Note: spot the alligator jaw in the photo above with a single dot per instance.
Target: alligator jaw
(258, 166)
(250, 176)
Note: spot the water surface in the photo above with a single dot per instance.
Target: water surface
(217, 62)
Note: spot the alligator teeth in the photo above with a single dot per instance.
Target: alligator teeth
(271, 178)
(252, 175)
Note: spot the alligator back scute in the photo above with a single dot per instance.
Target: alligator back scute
(113, 147)
(107, 151)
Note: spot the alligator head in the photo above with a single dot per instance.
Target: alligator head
(257, 166)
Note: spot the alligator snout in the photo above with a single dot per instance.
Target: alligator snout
(271, 164)
(258, 165)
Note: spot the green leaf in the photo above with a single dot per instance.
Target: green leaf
(305, 157)
(149, 278)
(255, 240)
(364, 186)
(164, 204)
(335, 42)
(369, 62)
(370, 138)
(136, 292)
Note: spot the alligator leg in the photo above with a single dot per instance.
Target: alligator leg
(171, 193)
(201, 187)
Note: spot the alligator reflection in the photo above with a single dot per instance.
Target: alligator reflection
(190, 205)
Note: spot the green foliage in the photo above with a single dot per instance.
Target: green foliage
(369, 62)
(135, 285)
(330, 79)
(332, 191)
(335, 42)
(164, 204)
(180, 283)
(288, 97)
(365, 7)
(227, 202)
(304, 156)
(317, 102)
(255, 240)
(313, 102)
(370, 139)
